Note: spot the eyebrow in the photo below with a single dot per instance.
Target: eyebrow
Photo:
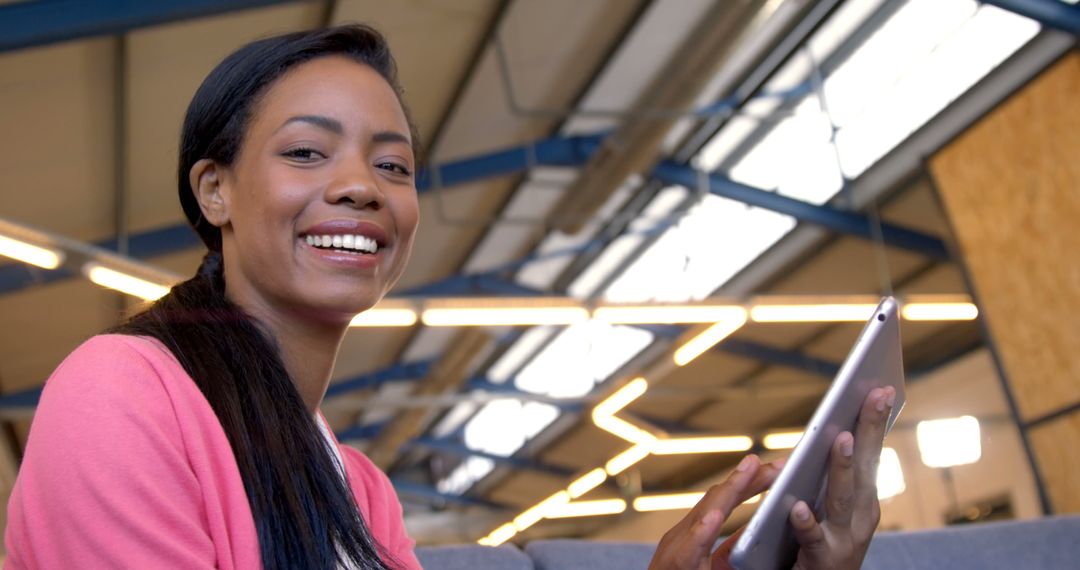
(335, 126)
(326, 123)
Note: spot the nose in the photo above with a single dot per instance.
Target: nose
(355, 185)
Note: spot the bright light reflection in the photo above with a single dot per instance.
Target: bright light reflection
(949, 442)
(890, 477)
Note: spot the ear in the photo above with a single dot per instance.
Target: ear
(207, 179)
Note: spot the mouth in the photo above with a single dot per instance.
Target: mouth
(355, 244)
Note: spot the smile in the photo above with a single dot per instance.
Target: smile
(346, 242)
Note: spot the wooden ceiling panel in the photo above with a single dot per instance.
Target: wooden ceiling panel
(165, 65)
(45, 323)
(433, 44)
(56, 155)
(849, 266)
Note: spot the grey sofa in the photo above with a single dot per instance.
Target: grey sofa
(1048, 543)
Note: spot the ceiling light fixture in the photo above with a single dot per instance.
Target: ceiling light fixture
(538, 511)
(710, 337)
(124, 283)
(939, 311)
(812, 313)
(782, 440)
(586, 483)
(717, 444)
(587, 508)
(949, 442)
(504, 316)
(665, 314)
(626, 459)
(384, 317)
(27, 253)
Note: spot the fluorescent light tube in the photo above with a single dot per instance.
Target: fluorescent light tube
(32, 254)
(124, 283)
(588, 508)
(719, 444)
(824, 313)
(504, 316)
(710, 337)
(586, 483)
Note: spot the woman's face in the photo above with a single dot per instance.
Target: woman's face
(321, 199)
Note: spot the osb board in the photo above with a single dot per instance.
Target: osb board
(1059, 469)
(1010, 189)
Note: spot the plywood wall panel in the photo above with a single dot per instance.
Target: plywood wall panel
(1010, 186)
(1056, 443)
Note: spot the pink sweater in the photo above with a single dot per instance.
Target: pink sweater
(127, 466)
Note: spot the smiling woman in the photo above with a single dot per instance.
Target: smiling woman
(190, 437)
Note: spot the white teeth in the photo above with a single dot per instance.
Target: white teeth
(353, 242)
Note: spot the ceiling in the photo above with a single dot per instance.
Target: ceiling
(91, 126)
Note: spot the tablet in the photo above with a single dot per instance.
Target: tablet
(875, 361)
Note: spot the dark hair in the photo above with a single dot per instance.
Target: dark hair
(305, 513)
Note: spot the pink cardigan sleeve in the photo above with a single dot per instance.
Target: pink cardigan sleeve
(105, 482)
(382, 511)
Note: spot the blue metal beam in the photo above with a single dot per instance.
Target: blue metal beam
(1050, 13)
(786, 358)
(842, 221)
(508, 387)
(768, 354)
(423, 491)
(554, 151)
(463, 451)
(394, 373)
(20, 400)
(27, 24)
(365, 431)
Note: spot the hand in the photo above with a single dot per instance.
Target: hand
(688, 545)
(851, 503)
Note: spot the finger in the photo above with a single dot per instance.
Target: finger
(869, 433)
(764, 479)
(727, 495)
(690, 542)
(723, 552)
(811, 537)
(840, 494)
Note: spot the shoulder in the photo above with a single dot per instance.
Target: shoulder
(113, 366)
(362, 470)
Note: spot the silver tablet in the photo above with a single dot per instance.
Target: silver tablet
(875, 361)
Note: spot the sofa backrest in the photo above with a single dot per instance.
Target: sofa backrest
(1049, 543)
(472, 556)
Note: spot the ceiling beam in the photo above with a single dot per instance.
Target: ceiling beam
(447, 375)
(41, 22)
(635, 144)
(1050, 13)
(835, 219)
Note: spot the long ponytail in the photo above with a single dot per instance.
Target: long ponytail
(304, 512)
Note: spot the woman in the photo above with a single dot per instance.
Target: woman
(190, 437)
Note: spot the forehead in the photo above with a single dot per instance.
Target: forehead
(335, 86)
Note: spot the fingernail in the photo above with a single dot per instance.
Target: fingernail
(847, 447)
(802, 512)
(745, 463)
(891, 400)
(880, 404)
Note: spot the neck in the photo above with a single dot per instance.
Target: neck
(308, 346)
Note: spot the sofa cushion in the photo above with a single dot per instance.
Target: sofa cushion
(588, 555)
(471, 556)
(1052, 542)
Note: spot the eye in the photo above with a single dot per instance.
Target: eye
(303, 154)
(395, 167)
